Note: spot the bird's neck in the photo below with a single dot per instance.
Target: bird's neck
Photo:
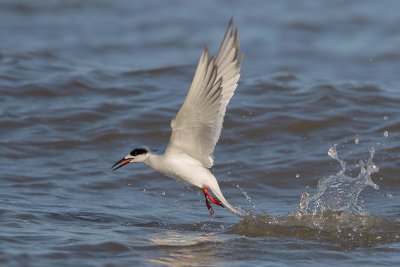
(154, 161)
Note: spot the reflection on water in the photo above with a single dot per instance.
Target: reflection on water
(184, 249)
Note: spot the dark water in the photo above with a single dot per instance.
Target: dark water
(83, 82)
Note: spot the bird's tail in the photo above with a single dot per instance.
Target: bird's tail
(214, 187)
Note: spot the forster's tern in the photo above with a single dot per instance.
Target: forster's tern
(197, 126)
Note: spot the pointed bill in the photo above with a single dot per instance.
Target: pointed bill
(120, 164)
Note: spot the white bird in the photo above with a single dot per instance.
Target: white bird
(197, 126)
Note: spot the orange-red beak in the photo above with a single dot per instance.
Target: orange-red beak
(120, 164)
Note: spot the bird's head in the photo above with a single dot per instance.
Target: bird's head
(136, 155)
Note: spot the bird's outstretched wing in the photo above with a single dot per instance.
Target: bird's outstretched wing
(197, 126)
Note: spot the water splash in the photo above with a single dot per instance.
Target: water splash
(332, 213)
(340, 192)
(248, 198)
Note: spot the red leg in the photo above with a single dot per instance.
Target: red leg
(213, 200)
(210, 209)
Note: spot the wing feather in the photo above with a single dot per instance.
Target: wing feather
(198, 124)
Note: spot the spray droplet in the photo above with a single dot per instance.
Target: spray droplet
(389, 195)
(332, 152)
(356, 141)
(385, 133)
(385, 117)
(298, 175)
(247, 197)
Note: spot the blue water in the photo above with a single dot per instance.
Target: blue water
(84, 82)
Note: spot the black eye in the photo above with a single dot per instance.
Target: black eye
(138, 151)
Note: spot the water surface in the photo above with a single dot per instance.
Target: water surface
(84, 82)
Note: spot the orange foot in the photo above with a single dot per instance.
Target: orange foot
(208, 196)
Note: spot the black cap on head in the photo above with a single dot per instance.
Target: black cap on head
(138, 151)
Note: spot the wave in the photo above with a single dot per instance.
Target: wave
(346, 228)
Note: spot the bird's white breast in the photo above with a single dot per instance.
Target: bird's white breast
(180, 166)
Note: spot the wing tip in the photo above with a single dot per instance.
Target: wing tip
(231, 21)
(204, 55)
